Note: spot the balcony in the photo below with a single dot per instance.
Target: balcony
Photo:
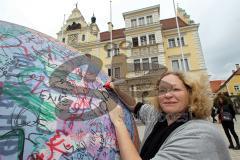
(158, 70)
(151, 49)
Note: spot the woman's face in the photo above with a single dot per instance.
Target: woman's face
(173, 95)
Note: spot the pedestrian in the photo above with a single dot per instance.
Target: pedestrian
(175, 129)
(213, 114)
(226, 116)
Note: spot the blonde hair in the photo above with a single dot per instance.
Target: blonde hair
(200, 103)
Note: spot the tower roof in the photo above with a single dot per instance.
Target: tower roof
(76, 14)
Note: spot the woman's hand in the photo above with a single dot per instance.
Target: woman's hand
(115, 112)
(128, 100)
(114, 87)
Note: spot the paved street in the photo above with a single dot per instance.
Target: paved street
(235, 154)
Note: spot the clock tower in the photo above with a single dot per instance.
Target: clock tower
(76, 31)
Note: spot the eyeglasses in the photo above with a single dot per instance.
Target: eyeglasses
(163, 91)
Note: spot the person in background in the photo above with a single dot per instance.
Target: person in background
(175, 129)
(226, 116)
(214, 111)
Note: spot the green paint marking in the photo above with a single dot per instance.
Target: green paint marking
(24, 98)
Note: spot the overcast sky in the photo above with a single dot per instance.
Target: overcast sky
(219, 22)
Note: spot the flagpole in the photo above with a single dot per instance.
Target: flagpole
(179, 37)
(63, 27)
(111, 39)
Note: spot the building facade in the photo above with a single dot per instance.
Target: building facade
(140, 52)
(232, 84)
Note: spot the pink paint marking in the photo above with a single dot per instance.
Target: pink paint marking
(41, 79)
(53, 145)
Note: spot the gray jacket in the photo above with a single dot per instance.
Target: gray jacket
(194, 140)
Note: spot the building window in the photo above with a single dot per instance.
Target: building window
(145, 62)
(186, 64)
(109, 72)
(117, 72)
(237, 88)
(109, 53)
(152, 39)
(143, 40)
(182, 41)
(133, 23)
(141, 21)
(135, 41)
(115, 50)
(154, 61)
(83, 37)
(137, 66)
(177, 64)
(171, 43)
(149, 19)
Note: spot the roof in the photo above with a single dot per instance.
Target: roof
(142, 9)
(237, 72)
(171, 23)
(215, 85)
(118, 33)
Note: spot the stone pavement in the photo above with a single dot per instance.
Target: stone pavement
(235, 154)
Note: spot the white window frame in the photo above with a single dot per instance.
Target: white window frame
(137, 66)
(154, 63)
(117, 75)
(109, 53)
(141, 21)
(180, 64)
(171, 42)
(133, 22)
(143, 40)
(182, 40)
(149, 19)
(237, 88)
(115, 50)
(133, 42)
(145, 64)
(152, 40)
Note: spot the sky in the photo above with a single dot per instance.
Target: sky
(219, 21)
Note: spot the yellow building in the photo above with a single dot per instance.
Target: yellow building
(232, 84)
(141, 51)
(192, 50)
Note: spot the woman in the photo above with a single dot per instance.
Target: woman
(179, 130)
(226, 116)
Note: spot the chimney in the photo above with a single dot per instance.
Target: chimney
(237, 66)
